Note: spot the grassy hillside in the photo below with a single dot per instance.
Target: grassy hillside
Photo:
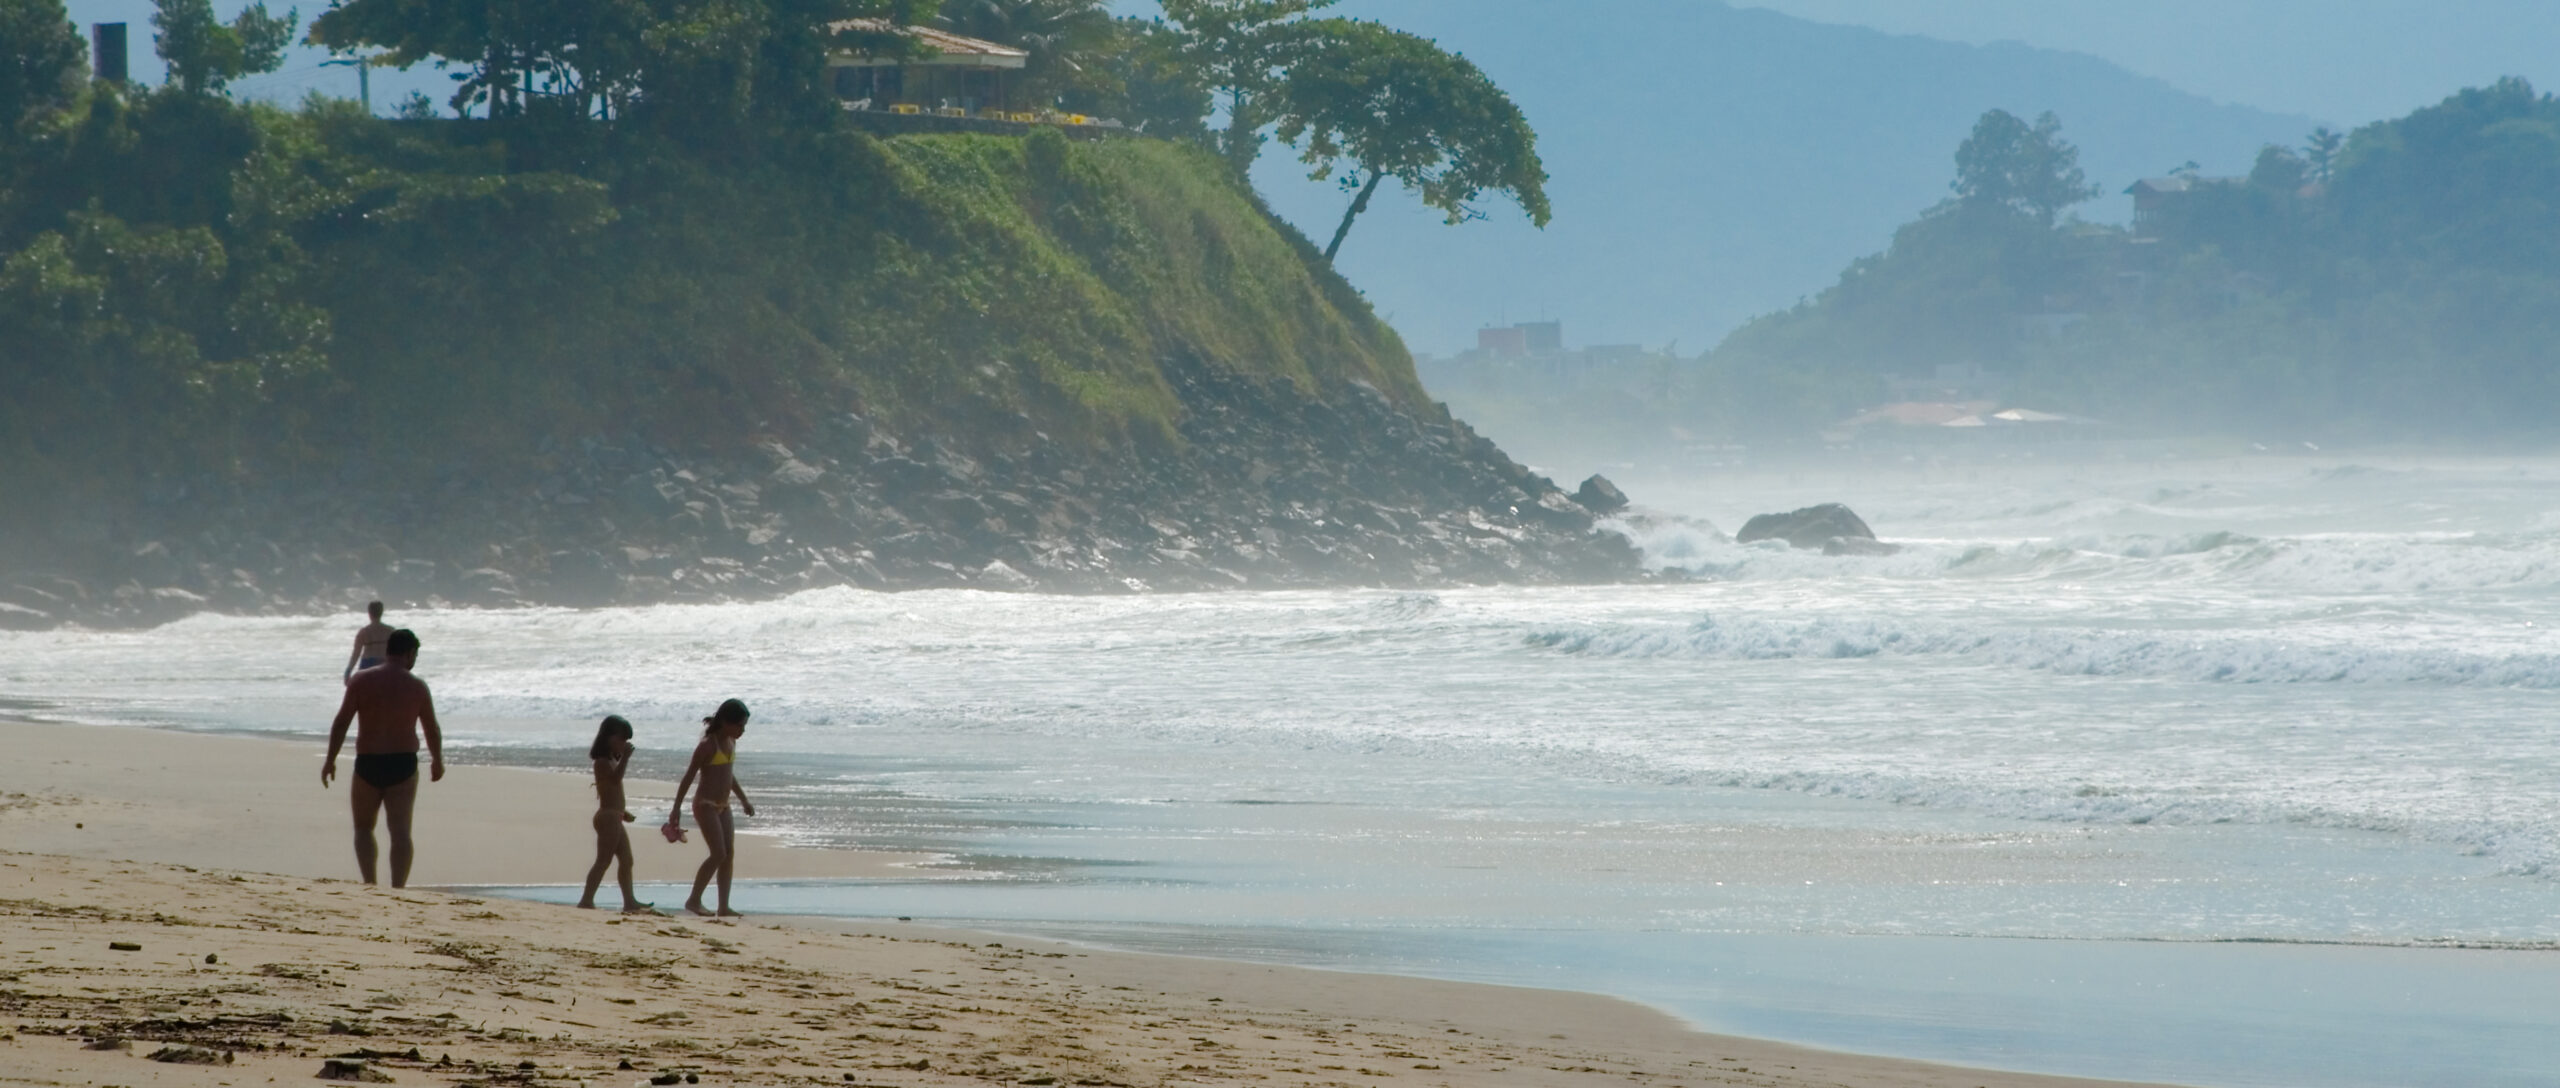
(194, 290)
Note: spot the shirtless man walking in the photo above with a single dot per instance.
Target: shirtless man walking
(370, 639)
(388, 706)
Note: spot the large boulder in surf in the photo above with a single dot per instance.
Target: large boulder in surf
(1814, 527)
(1600, 496)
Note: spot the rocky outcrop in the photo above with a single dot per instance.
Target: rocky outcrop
(1265, 487)
(1831, 528)
(1600, 496)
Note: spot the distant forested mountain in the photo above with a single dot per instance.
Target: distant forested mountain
(2403, 283)
(1712, 163)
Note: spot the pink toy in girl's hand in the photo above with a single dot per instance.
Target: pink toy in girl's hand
(672, 832)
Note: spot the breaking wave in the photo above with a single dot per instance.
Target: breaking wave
(2242, 657)
(2322, 565)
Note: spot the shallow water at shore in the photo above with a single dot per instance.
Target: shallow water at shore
(2089, 721)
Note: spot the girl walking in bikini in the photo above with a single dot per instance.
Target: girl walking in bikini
(714, 763)
(611, 754)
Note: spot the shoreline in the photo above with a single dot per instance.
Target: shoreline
(254, 803)
(159, 816)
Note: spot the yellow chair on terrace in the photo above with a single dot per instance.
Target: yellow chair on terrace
(909, 108)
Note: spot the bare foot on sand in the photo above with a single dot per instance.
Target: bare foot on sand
(727, 913)
(696, 907)
(643, 908)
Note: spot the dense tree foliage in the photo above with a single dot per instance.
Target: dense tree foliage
(205, 55)
(42, 66)
(2032, 171)
(1242, 51)
(1070, 42)
(711, 72)
(2401, 281)
(1392, 105)
(1153, 86)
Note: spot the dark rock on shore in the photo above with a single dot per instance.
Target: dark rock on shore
(1831, 528)
(1263, 487)
(1600, 496)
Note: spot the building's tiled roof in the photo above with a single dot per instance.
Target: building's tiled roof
(2178, 183)
(1921, 413)
(948, 44)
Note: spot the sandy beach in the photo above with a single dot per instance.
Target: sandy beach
(178, 913)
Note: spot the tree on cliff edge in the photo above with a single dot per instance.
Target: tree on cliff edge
(2030, 171)
(1393, 105)
(1242, 50)
(205, 55)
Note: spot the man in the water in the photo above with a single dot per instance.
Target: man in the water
(369, 642)
(388, 706)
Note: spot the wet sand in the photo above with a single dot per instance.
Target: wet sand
(213, 857)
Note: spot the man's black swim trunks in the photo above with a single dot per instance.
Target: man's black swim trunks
(384, 770)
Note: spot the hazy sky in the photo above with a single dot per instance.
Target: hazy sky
(2346, 62)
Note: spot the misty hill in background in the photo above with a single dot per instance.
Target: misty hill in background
(1711, 163)
(2406, 288)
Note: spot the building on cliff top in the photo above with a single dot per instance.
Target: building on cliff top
(943, 72)
(2153, 196)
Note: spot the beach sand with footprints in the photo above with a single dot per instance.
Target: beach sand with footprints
(167, 918)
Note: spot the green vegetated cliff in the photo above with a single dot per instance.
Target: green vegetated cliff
(265, 291)
(249, 340)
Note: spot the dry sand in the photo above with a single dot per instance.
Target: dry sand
(245, 967)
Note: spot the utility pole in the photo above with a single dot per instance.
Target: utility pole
(364, 77)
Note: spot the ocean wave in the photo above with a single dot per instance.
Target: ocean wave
(2236, 657)
(2332, 565)
(2517, 849)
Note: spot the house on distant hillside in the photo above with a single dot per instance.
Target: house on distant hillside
(942, 73)
(1524, 339)
(1532, 356)
(1965, 421)
(2153, 196)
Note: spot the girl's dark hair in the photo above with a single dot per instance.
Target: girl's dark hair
(731, 712)
(612, 729)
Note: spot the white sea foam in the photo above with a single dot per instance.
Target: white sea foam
(2278, 654)
(2246, 657)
